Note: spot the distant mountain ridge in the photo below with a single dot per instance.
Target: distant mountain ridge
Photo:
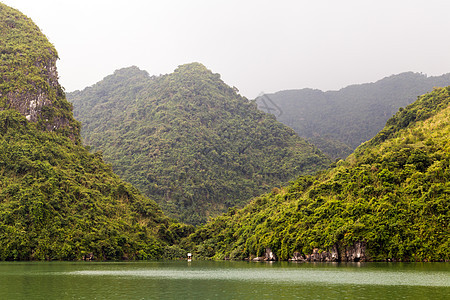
(339, 121)
(188, 140)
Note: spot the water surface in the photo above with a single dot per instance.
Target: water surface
(223, 280)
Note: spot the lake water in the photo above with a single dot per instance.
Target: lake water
(223, 280)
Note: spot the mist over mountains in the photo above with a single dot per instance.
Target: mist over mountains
(339, 121)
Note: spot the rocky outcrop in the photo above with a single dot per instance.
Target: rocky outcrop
(297, 256)
(36, 103)
(327, 256)
(30, 102)
(28, 75)
(352, 253)
(268, 256)
(356, 252)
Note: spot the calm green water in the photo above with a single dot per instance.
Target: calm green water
(224, 280)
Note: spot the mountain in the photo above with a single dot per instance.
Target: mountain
(389, 200)
(189, 141)
(57, 200)
(339, 121)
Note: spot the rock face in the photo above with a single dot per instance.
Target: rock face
(30, 103)
(353, 253)
(38, 104)
(29, 79)
(268, 256)
(356, 253)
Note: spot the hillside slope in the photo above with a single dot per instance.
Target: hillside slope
(339, 121)
(390, 200)
(58, 201)
(189, 141)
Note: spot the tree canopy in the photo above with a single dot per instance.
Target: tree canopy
(57, 200)
(189, 141)
(392, 194)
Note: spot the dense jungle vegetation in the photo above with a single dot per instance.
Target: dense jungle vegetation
(57, 200)
(337, 122)
(199, 148)
(392, 193)
(189, 141)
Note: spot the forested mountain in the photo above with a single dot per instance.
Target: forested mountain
(339, 121)
(58, 201)
(189, 141)
(389, 200)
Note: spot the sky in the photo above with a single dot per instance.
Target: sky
(256, 46)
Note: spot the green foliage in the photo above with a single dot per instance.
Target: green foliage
(188, 141)
(58, 201)
(422, 109)
(393, 194)
(28, 74)
(339, 121)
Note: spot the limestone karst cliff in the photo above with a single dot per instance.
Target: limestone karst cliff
(29, 79)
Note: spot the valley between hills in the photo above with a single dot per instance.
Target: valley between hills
(150, 167)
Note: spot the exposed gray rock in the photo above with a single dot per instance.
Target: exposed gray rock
(28, 104)
(39, 99)
(270, 256)
(355, 253)
(297, 256)
(349, 253)
(260, 258)
(325, 256)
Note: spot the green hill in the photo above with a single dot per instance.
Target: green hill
(389, 200)
(189, 141)
(58, 201)
(339, 121)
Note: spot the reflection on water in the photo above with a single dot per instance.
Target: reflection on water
(223, 280)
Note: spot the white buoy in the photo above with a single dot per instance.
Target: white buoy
(189, 256)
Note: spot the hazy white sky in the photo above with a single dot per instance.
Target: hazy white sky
(255, 45)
